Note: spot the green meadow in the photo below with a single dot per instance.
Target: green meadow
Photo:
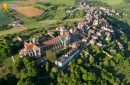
(113, 2)
(121, 5)
(4, 19)
(57, 2)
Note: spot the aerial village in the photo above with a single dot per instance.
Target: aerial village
(54, 42)
(94, 29)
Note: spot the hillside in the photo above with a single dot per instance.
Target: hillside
(123, 5)
(74, 42)
(4, 19)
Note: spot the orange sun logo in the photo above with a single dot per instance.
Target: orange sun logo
(4, 6)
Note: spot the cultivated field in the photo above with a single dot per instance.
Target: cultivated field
(29, 11)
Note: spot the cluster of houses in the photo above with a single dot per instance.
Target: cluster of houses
(107, 10)
(64, 59)
(94, 29)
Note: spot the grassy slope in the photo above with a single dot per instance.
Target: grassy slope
(60, 13)
(31, 25)
(112, 2)
(4, 19)
(119, 4)
(67, 2)
(7, 64)
(13, 30)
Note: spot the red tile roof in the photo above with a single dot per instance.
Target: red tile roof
(51, 41)
(29, 46)
(55, 39)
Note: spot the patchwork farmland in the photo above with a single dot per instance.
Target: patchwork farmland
(24, 7)
(29, 11)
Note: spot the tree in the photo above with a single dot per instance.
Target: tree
(6, 49)
(91, 76)
(51, 56)
(18, 66)
(32, 69)
(83, 70)
(91, 59)
(52, 75)
(118, 57)
(9, 79)
(26, 61)
(47, 66)
(126, 63)
(23, 74)
(54, 70)
(85, 77)
(24, 68)
(20, 82)
(27, 81)
(79, 61)
(112, 63)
